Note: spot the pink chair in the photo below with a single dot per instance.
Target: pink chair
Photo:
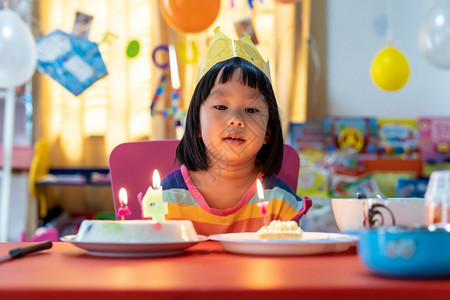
(131, 167)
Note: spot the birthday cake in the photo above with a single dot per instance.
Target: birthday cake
(280, 230)
(136, 231)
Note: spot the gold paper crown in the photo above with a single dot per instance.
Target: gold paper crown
(223, 48)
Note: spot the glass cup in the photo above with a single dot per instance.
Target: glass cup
(437, 198)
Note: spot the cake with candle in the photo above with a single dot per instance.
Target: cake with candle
(280, 230)
(136, 231)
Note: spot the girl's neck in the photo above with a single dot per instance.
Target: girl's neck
(234, 172)
(223, 187)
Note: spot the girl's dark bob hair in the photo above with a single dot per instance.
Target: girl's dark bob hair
(192, 151)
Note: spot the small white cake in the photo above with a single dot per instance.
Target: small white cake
(280, 230)
(136, 231)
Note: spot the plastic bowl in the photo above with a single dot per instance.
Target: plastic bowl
(406, 252)
(349, 212)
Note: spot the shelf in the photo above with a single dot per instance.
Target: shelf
(395, 165)
(75, 177)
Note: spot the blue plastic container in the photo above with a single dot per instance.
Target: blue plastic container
(406, 252)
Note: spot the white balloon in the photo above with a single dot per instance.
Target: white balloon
(434, 35)
(17, 50)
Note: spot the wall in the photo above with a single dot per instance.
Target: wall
(355, 35)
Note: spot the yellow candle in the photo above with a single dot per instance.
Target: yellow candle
(152, 203)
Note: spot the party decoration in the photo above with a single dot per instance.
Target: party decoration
(107, 37)
(175, 111)
(152, 204)
(191, 16)
(181, 50)
(74, 62)
(174, 75)
(250, 3)
(82, 24)
(164, 65)
(434, 35)
(183, 56)
(17, 64)
(390, 69)
(288, 1)
(17, 50)
(133, 48)
(246, 26)
(223, 48)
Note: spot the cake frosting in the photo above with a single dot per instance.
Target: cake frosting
(136, 231)
(280, 230)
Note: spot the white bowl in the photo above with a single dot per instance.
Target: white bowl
(349, 212)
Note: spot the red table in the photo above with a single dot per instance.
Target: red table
(204, 271)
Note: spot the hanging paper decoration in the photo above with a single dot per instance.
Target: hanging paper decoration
(250, 3)
(245, 26)
(175, 111)
(288, 1)
(74, 62)
(82, 25)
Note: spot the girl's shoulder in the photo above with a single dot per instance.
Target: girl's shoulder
(173, 180)
(274, 181)
(278, 189)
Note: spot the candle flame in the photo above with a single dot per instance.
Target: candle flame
(123, 198)
(260, 190)
(156, 180)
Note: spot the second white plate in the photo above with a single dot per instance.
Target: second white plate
(311, 243)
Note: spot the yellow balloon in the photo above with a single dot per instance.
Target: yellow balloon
(390, 69)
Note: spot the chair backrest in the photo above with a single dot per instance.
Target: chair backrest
(131, 166)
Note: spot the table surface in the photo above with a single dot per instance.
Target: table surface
(204, 271)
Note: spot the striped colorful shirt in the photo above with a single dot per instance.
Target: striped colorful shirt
(186, 203)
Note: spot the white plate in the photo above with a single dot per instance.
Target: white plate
(310, 243)
(132, 249)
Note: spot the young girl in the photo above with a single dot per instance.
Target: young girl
(233, 136)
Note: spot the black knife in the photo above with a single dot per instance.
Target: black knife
(20, 252)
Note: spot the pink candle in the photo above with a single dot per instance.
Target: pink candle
(123, 209)
(263, 204)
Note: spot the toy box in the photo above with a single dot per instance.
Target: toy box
(434, 135)
(306, 136)
(312, 177)
(354, 134)
(434, 143)
(398, 136)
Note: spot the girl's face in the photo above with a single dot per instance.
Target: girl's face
(233, 122)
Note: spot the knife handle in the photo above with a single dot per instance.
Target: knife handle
(19, 252)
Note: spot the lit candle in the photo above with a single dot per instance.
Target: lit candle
(263, 204)
(152, 203)
(123, 209)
